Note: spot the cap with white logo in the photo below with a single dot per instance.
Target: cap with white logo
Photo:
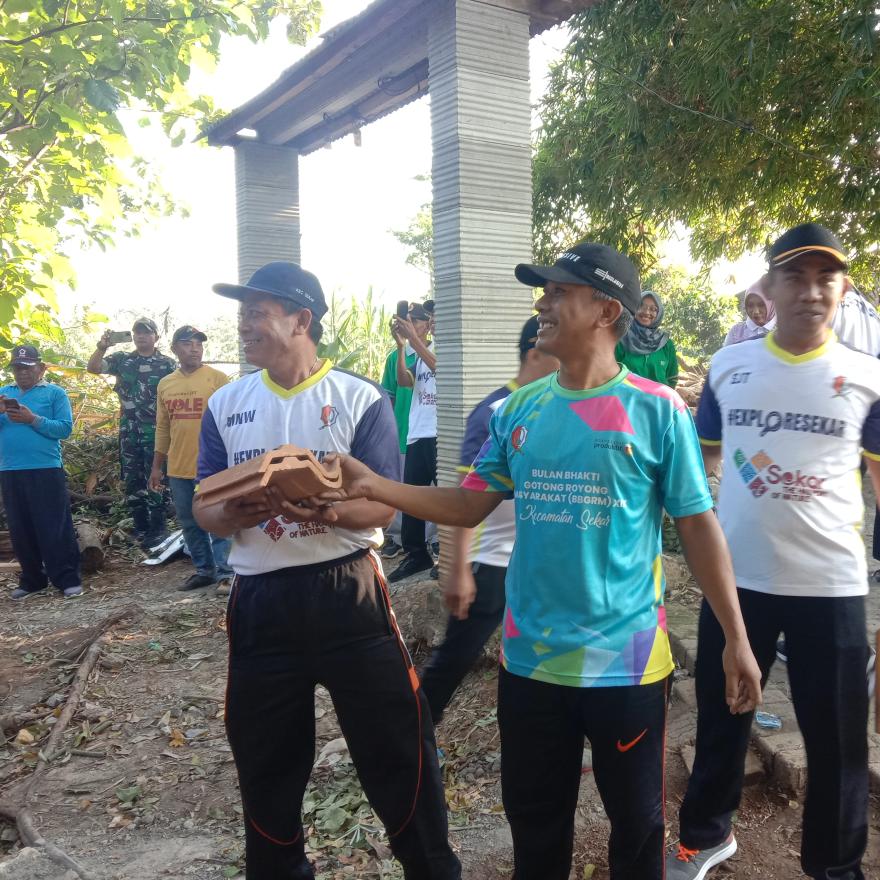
(596, 265)
(25, 356)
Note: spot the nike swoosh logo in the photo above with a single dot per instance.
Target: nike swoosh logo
(625, 748)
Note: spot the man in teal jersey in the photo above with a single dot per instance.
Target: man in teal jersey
(591, 456)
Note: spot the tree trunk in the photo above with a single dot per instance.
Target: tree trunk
(90, 549)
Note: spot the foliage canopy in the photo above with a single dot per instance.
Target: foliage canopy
(67, 169)
(736, 118)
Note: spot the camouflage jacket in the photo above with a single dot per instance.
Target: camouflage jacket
(137, 378)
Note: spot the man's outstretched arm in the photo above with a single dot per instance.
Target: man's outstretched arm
(448, 507)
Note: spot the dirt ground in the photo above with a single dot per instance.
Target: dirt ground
(145, 787)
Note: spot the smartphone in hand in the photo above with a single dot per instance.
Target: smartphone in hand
(11, 404)
(402, 309)
(117, 336)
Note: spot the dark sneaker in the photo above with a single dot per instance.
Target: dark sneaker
(18, 593)
(695, 864)
(435, 573)
(410, 566)
(781, 653)
(151, 542)
(195, 582)
(72, 592)
(390, 549)
(435, 549)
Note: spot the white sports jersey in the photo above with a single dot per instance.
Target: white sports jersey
(423, 408)
(494, 536)
(792, 429)
(332, 411)
(857, 324)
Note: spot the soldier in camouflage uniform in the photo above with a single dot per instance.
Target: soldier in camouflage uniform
(137, 376)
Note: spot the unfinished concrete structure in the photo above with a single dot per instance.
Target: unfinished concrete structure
(473, 58)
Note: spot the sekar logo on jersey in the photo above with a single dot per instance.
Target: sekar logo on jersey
(329, 415)
(840, 389)
(518, 437)
(761, 475)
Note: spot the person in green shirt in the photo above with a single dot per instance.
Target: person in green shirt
(646, 349)
(400, 395)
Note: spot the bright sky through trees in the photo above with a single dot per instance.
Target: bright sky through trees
(350, 197)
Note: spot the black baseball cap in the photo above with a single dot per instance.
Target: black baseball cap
(144, 321)
(286, 281)
(804, 239)
(25, 356)
(428, 306)
(597, 265)
(187, 332)
(528, 335)
(418, 312)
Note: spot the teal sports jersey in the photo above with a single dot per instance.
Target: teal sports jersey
(590, 473)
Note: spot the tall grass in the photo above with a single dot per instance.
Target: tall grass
(357, 335)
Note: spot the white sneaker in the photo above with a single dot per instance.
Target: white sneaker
(73, 592)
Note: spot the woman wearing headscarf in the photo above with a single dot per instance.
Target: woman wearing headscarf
(760, 317)
(646, 349)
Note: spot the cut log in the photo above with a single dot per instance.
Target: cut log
(91, 551)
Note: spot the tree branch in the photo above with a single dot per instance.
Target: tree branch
(22, 815)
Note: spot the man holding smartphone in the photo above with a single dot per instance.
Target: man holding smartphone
(34, 417)
(420, 463)
(400, 395)
(137, 375)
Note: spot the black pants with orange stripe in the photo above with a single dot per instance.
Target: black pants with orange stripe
(542, 741)
(329, 624)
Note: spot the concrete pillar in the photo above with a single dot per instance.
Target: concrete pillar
(481, 129)
(267, 205)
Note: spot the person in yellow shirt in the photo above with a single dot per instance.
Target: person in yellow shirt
(181, 400)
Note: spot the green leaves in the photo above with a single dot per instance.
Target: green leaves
(737, 120)
(67, 172)
(101, 95)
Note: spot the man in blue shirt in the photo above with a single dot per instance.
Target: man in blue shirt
(34, 417)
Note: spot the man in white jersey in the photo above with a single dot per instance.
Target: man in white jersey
(420, 464)
(309, 605)
(790, 416)
(591, 455)
(474, 590)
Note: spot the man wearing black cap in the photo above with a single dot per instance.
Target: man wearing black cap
(181, 400)
(308, 603)
(791, 415)
(34, 417)
(401, 396)
(591, 455)
(420, 462)
(478, 559)
(137, 375)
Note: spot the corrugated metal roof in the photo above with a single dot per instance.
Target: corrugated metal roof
(363, 69)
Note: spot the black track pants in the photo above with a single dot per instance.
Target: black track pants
(329, 624)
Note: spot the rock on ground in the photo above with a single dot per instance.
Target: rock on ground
(31, 864)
